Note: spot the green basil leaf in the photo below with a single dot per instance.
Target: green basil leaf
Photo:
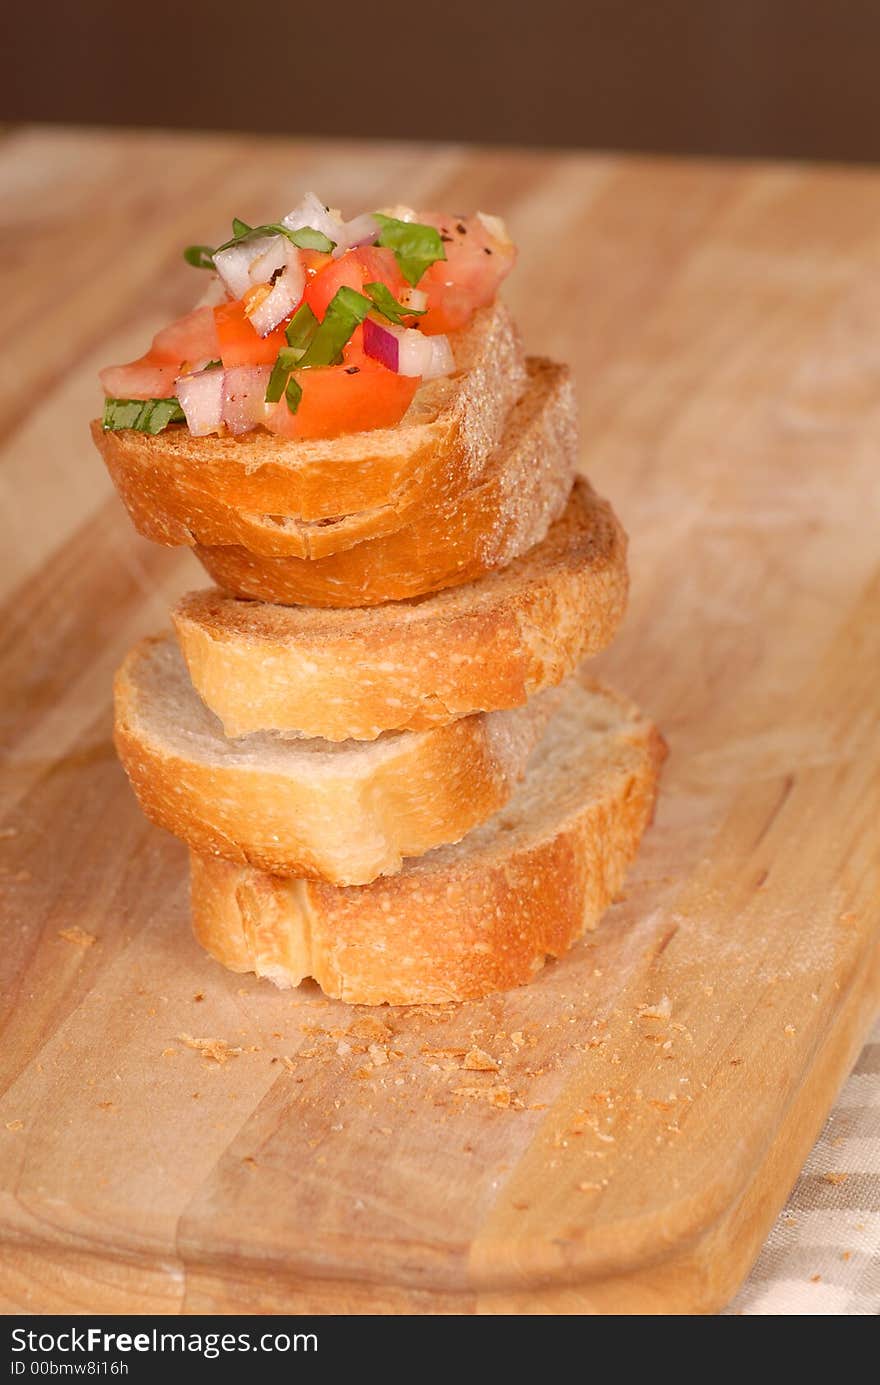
(345, 311)
(200, 256)
(301, 327)
(416, 247)
(293, 394)
(388, 305)
(143, 415)
(213, 365)
(306, 238)
(286, 360)
(240, 228)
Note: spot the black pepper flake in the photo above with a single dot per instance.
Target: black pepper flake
(461, 228)
(352, 369)
(277, 273)
(447, 239)
(486, 250)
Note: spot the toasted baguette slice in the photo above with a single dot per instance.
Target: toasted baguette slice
(522, 490)
(413, 664)
(275, 496)
(344, 812)
(468, 919)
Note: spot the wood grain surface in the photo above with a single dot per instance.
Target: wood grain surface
(657, 1091)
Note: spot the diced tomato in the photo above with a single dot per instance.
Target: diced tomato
(370, 264)
(476, 262)
(183, 344)
(192, 338)
(238, 341)
(353, 397)
(139, 380)
(313, 261)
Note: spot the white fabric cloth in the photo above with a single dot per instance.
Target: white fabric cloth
(823, 1255)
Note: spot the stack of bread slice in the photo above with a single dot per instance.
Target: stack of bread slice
(375, 733)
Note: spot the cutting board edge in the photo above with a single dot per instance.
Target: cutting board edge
(686, 1282)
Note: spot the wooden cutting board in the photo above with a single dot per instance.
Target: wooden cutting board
(657, 1090)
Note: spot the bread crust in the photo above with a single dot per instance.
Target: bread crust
(522, 490)
(275, 496)
(466, 920)
(411, 665)
(341, 814)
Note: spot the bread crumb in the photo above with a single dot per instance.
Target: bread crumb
(588, 1187)
(815, 1279)
(169, 1052)
(478, 1060)
(199, 996)
(106, 1105)
(496, 1096)
(78, 936)
(835, 1178)
(369, 1029)
(378, 1054)
(846, 1255)
(15, 1125)
(658, 1010)
(517, 1038)
(790, 1029)
(217, 1050)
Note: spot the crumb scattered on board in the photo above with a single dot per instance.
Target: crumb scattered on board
(77, 936)
(656, 1010)
(218, 1050)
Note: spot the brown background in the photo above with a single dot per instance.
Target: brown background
(790, 78)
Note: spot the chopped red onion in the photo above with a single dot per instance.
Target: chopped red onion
(442, 361)
(244, 397)
(363, 230)
(408, 351)
(312, 212)
(273, 259)
(285, 294)
(380, 342)
(201, 398)
(235, 264)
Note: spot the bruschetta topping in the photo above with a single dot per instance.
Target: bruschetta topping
(313, 326)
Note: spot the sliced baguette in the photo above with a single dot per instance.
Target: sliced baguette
(344, 812)
(410, 665)
(276, 496)
(468, 919)
(522, 490)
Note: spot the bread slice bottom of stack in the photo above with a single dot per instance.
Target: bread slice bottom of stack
(480, 915)
(390, 765)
